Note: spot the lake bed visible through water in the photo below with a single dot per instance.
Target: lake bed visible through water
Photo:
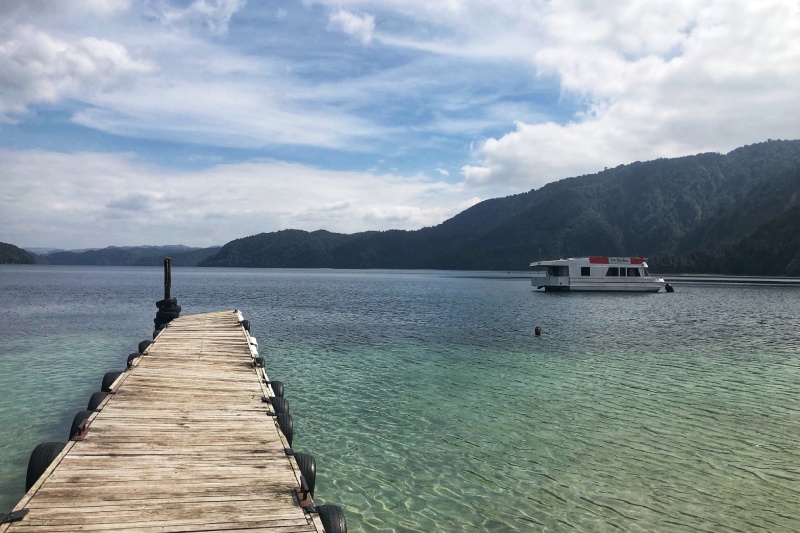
(429, 404)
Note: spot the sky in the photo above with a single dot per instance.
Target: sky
(155, 122)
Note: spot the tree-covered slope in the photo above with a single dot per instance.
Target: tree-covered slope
(287, 248)
(10, 254)
(131, 256)
(189, 258)
(771, 250)
(689, 207)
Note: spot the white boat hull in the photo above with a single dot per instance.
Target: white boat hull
(653, 286)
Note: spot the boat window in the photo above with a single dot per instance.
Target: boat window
(612, 271)
(646, 273)
(585, 271)
(622, 272)
(633, 272)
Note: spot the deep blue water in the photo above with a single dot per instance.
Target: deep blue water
(430, 405)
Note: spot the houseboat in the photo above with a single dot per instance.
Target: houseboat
(595, 273)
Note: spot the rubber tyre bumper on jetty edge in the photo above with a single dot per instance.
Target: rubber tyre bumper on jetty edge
(286, 423)
(169, 302)
(108, 379)
(308, 467)
(332, 517)
(131, 358)
(41, 457)
(95, 400)
(280, 405)
(80, 416)
(277, 388)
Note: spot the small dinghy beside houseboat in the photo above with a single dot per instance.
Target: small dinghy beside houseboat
(595, 273)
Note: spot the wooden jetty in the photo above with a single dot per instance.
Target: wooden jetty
(187, 441)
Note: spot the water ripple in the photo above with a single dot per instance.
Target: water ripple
(430, 406)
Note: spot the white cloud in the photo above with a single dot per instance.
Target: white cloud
(36, 67)
(97, 7)
(653, 80)
(89, 199)
(202, 111)
(355, 25)
(726, 76)
(443, 172)
(215, 15)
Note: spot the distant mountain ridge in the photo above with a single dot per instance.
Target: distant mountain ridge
(130, 256)
(732, 213)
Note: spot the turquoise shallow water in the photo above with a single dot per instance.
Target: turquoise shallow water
(430, 406)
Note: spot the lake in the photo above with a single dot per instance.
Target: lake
(430, 405)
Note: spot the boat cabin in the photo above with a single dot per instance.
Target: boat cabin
(594, 273)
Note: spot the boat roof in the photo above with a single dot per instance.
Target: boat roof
(593, 260)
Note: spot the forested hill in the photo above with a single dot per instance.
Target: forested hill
(130, 256)
(734, 213)
(10, 254)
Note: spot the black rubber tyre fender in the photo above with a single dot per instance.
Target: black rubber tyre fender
(308, 467)
(281, 405)
(144, 345)
(131, 358)
(246, 325)
(161, 321)
(108, 379)
(80, 416)
(172, 309)
(286, 424)
(166, 303)
(332, 517)
(167, 314)
(95, 400)
(156, 332)
(41, 457)
(277, 388)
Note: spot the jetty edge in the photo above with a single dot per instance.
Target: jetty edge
(192, 436)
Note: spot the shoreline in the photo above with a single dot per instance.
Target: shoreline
(491, 274)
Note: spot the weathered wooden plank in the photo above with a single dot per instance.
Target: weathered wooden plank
(266, 495)
(188, 524)
(248, 527)
(195, 457)
(215, 511)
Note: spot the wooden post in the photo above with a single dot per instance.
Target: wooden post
(167, 277)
